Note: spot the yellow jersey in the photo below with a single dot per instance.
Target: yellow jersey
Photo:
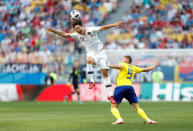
(126, 74)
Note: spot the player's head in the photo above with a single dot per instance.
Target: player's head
(77, 25)
(127, 59)
(76, 63)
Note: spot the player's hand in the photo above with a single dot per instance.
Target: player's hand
(84, 80)
(157, 63)
(68, 84)
(49, 29)
(119, 24)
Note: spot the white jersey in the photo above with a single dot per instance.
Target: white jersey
(90, 40)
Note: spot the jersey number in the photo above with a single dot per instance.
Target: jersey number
(90, 34)
(130, 72)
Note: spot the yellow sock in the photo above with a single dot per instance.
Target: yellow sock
(115, 112)
(142, 113)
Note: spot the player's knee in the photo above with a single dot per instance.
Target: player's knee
(89, 61)
(105, 73)
(135, 106)
(114, 105)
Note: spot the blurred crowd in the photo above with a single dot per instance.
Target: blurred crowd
(151, 24)
(23, 35)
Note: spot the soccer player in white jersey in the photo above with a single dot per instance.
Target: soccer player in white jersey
(95, 51)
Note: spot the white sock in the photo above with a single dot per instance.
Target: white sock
(90, 72)
(148, 120)
(108, 85)
(120, 119)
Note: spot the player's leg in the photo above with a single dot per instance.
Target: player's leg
(78, 94)
(90, 61)
(114, 107)
(107, 83)
(76, 88)
(142, 113)
(90, 72)
(116, 114)
(132, 98)
(101, 61)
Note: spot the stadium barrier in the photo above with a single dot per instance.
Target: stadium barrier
(23, 78)
(58, 92)
(16, 92)
(25, 74)
(144, 91)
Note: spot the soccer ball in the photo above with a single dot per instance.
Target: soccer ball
(75, 15)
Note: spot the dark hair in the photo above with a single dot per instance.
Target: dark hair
(129, 58)
(76, 22)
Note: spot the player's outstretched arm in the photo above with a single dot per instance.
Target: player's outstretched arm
(64, 34)
(115, 67)
(105, 27)
(149, 68)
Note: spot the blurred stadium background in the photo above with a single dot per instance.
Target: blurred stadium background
(156, 30)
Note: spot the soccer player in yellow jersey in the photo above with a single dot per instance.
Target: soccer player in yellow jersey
(125, 89)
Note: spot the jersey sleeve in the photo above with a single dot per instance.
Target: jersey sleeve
(95, 29)
(122, 65)
(74, 35)
(138, 69)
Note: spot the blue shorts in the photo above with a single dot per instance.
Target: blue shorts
(126, 92)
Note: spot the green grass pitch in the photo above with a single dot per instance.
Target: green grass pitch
(93, 116)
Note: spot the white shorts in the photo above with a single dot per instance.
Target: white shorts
(100, 59)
